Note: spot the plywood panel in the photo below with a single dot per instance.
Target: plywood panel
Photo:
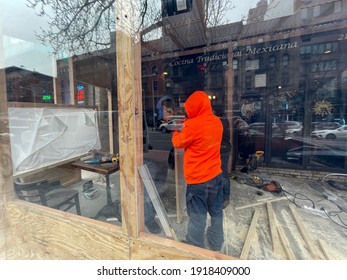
(148, 247)
(6, 181)
(2, 230)
(37, 232)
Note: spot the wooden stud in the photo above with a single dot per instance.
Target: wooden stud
(273, 228)
(259, 203)
(72, 80)
(128, 58)
(250, 235)
(110, 121)
(285, 243)
(230, 93)
(324, 247)
(181, 186)
(311, 246)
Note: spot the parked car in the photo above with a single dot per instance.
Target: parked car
(291, 128)
(324, 125)
(318, 154)
(289, 124)
(331, 134)
(258, 128)
(294, 132)
(174, 124)
(297, 153)
(252, 138)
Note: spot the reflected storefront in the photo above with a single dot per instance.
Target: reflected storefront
(299, 83)
(281, 79)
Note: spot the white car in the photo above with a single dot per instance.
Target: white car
(331, 134)
(174, 124)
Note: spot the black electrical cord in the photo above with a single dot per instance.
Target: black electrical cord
(295, 196)
(329, 215)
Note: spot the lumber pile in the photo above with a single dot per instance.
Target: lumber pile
(317, 249)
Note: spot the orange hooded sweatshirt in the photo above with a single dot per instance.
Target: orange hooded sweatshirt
(200, 138)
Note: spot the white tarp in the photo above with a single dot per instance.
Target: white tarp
(43, 136)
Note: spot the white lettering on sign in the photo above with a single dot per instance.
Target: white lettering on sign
(215, 56)
(181, 62)
(272, 48)
(237, 53)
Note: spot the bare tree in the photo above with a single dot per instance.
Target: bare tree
(215, 11)
(82, 26)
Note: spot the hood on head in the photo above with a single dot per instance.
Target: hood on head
(198, 104)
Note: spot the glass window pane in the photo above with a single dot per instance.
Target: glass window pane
(277, 74)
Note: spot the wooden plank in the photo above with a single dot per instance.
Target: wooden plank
(230, 100)
(37, 232)
(157, 203)
(110, 122)
(273, 228)
(285, 243)
(259, 203)
(128, 61)
(250, 235)
(72, 80)
(149, 247)
(324, 248)
(181, 186)
(311, 246)
(6, 180)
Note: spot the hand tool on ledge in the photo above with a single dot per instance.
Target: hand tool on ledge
(104, 159)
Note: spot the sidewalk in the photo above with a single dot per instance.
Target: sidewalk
(309, 226)
(309, 218)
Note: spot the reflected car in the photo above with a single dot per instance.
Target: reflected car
(171, 125)
(258, 128)
(339, 133)
(252, 138)
(324, 125)
(292, 128)
(296, 154)
(294, 132)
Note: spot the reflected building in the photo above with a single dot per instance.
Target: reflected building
(28, 86)
(283, 64)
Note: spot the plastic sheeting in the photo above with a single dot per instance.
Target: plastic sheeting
(44, 136)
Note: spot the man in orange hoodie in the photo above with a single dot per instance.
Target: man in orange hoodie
(200, 137)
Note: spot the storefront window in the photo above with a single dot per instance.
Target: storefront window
(85, 101)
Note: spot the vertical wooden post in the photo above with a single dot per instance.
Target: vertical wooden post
(6, 180)
(128, 57)
(72, 80)
(57, 86)
(110, 121)
(230, 95)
